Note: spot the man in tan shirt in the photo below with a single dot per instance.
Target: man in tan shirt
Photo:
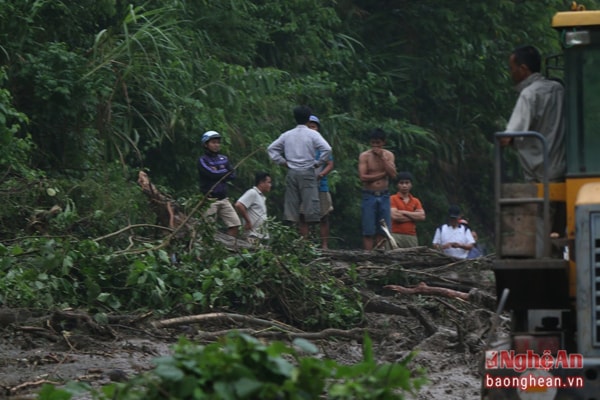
(375, 169)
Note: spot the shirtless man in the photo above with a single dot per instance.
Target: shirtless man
(375, 169)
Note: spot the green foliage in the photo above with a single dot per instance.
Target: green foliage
(14, 149)
(80, 273)
(284, 279)
(103, 201)
(242, 367)
(61, 107)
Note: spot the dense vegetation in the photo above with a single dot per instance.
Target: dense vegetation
(95, 90)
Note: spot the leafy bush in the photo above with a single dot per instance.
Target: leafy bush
(242, 367)
(285, 280)
(15, 147)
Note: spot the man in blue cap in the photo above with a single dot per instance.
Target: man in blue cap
(324, 195)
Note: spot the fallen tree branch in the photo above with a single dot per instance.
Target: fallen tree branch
(450, 306)
(474, 296)
(27, 385)
(130, 227)
(377, 304)
(422, 288)
(222, 316)
(43, 332)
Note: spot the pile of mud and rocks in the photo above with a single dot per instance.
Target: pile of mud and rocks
(414, 300)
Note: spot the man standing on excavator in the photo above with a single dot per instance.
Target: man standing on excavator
(539, 108)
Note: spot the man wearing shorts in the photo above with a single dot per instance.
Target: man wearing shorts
(214, 170)
(296, 150)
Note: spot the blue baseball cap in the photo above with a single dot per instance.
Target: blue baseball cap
(314, 118)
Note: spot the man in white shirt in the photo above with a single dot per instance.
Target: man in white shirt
(252, 207)
(453, 238)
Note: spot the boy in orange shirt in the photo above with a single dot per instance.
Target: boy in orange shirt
(406, 210)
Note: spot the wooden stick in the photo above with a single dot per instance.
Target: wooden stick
(26, 385)
(422, 288)
(220, 316)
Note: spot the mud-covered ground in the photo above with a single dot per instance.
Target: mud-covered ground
(448, 334)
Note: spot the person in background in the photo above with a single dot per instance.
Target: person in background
(405, 211)
(476, 251)
(453, 238)
(215, 170)
(376, 167)
(296, 150)
(324, 195)
(252, 207)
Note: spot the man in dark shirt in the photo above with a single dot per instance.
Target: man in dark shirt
(214, 171)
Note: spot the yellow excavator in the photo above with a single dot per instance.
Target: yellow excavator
(553, 349)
